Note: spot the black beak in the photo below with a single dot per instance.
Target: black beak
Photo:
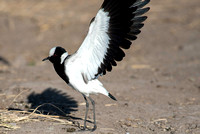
(47, 58)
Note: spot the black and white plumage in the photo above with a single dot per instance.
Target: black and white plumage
(116, 24)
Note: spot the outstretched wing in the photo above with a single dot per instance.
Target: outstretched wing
(116, 24)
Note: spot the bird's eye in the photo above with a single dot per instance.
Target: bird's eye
(54, 55)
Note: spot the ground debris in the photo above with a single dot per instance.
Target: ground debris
(10, 119)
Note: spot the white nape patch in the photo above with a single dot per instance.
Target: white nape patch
(63, 56)
(52, 51)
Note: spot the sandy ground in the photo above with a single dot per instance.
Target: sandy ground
(157, 85)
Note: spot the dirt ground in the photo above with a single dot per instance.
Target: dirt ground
(157, 85)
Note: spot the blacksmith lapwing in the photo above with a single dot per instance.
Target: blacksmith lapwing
(116, 24)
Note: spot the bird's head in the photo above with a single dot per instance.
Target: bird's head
(56, 55)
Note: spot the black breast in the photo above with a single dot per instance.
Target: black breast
(60, 69)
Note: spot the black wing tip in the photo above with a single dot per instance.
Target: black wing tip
(112, 97)
(146, 1)
(147, 8)
(141, 3)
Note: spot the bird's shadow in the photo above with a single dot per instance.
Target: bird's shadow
(52, 102)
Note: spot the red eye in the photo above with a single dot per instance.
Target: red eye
(54, 55)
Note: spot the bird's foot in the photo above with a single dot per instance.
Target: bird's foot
(94, 128)
(85, 128)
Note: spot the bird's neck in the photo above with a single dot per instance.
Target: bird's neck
(60, 69)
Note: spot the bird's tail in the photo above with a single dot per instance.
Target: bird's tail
(112, 97)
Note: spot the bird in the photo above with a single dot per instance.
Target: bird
(116, 24)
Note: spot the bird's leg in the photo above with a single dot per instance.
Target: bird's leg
(93, 104)
(86, 112)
